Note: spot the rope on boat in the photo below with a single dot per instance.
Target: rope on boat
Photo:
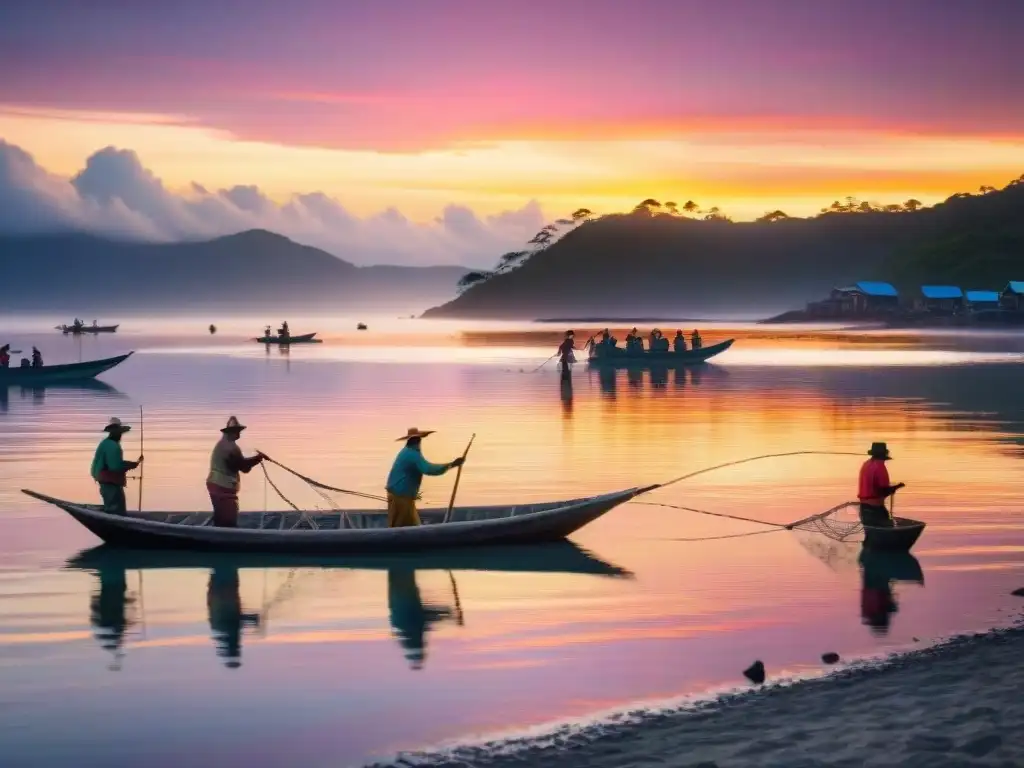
(820, 522)
(320, 485)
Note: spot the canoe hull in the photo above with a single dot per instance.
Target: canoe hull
(899, 538)
(89, 329)
(668, 359)
(306, 338)
(58, 374)
(507, 525)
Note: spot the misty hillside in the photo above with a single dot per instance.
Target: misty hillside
(656, 264)
(79, 274)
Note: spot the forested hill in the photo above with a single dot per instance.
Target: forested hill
(653, 262)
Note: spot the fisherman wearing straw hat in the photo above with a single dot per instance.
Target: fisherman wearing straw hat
(109, 468)
(874, 487)
(226, 461)
(403, 484)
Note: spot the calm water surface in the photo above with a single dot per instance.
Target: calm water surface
(203, 662)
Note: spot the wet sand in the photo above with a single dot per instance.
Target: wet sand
(956, 704)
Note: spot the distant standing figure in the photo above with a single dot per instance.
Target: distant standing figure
(213, 329)
(226, 461)
(109, 468)
(565, 356)
(679, 342)
(5, 356)
(406, 476)
(37, 358)
(696, 342)
(874, 487)
(267, 333)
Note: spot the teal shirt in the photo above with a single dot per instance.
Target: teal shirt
(108, 456)
(408, 470)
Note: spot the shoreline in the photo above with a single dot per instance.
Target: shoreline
(956, 702)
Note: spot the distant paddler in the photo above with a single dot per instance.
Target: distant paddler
(226, 461)
(110, 469)
(874, 487)
(403, 483)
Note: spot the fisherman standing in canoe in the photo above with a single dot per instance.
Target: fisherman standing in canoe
(403, 483)
(874, 488)
(109, 468)
(226, 461)
(565, 356)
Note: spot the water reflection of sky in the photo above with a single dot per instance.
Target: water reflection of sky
(333, 653)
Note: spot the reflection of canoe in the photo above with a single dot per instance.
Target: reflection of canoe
(553, 557)
(891, 566)
(305, 338)
(619, 358)
(87, 329)
(898, 538)
(50, 374)
(354, 531)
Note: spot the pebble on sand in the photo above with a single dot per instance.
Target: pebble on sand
(755, 672)
(830, 658)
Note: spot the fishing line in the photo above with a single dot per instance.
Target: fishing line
(316, 484)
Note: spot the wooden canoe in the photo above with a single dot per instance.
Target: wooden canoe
(347, 532)
(554, 557)
(89, 329)
(54, 374)
(305, 338)
(899, 537)
(620, 358)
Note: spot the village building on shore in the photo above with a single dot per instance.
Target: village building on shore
(872, 300)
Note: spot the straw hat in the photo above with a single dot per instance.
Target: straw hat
(233, 425)
(115, 425)
(879, 451)
(413, 432)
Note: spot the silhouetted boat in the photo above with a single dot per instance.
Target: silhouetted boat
(344, 532)
(899, 538)
(361, 327)
(77, 329)
(305, 338)
(620, 358)
(554, 557)
(52, 374)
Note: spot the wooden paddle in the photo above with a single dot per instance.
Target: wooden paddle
(458, 476)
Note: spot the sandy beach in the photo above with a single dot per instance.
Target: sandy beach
(955, 704)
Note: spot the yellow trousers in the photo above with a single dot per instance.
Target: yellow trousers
(402, 511)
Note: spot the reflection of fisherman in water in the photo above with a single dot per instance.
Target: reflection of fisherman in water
(606, 380)
(879, 571)
(411, 618)
(566, 391)
(108, 611)
(224, 607)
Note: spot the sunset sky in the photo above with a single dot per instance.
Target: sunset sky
(406, 114)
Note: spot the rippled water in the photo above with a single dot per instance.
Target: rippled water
(106, 662)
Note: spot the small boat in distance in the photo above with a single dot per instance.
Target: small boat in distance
(620, 358)
(340, 532)
(49, 374)
(361, 327)
(77, 329)
(305, 338)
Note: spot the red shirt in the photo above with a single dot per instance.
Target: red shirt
(874, 482)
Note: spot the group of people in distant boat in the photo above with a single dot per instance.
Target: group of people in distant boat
(657, 343)
(110, 471)
(35, 362)
(282, 332)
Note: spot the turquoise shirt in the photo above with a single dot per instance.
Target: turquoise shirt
(108, 456)
(408, 470)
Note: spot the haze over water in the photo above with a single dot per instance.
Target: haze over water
(330, 677)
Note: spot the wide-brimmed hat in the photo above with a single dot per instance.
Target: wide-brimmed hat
(413, 432)
(879, 451)
(115, 425)
(233, 425)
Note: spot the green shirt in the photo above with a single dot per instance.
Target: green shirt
(109, 455)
